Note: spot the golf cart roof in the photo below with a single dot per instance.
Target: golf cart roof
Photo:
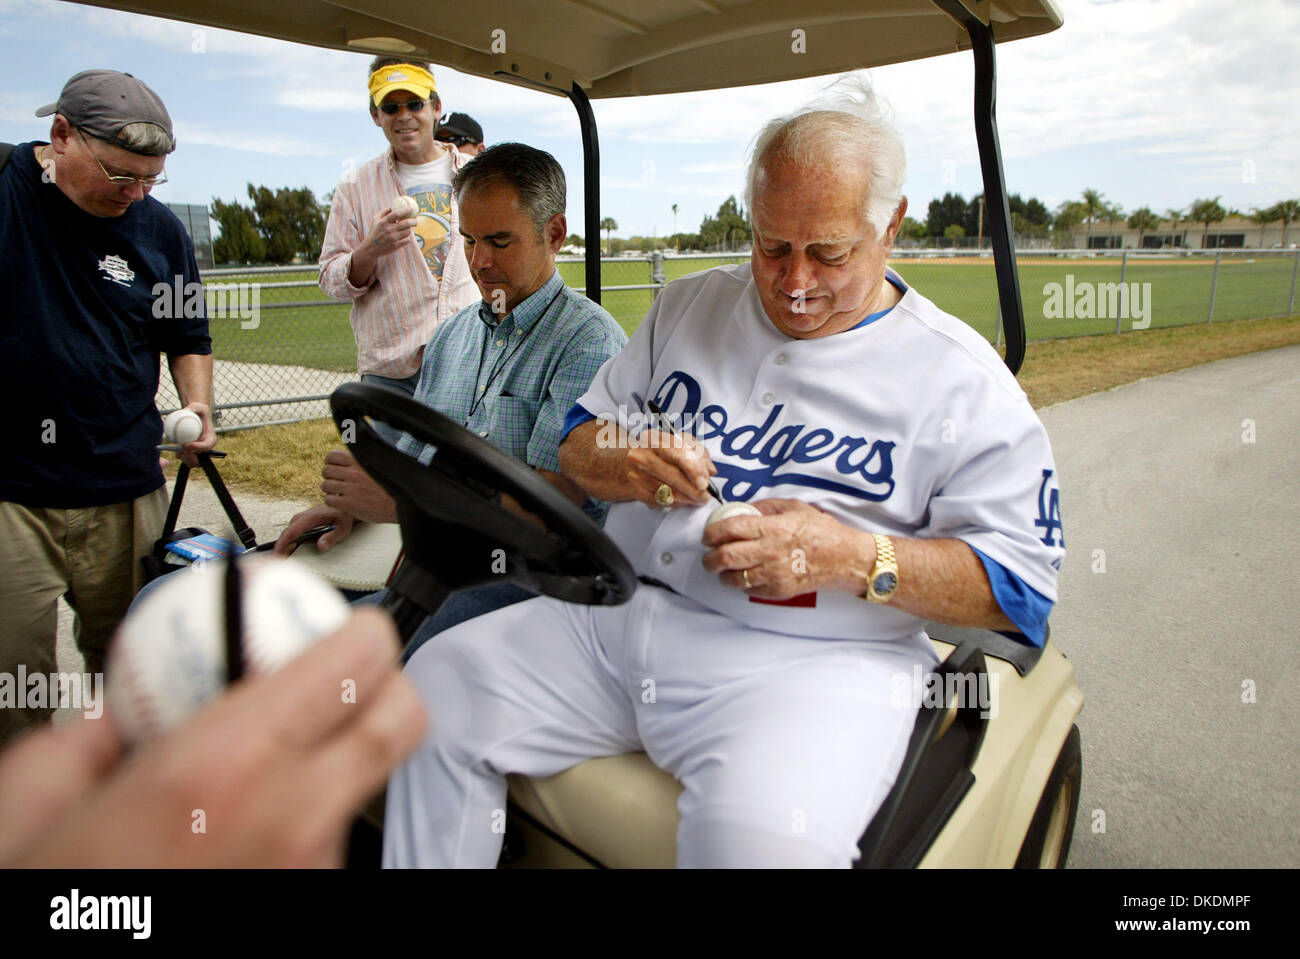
(618, 48)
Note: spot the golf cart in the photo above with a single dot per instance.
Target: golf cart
(982, 784)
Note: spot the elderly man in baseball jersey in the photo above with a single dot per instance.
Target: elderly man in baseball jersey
(899, 476)
(404, 274)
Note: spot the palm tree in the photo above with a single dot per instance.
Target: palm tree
(1068, 215)
(1288, 211)
(1263, 218)
(675, 240)
(1174, 217)
(1092, 207)
(1144, 221)
(609, 226)
(1112, 212)
(1207, 212)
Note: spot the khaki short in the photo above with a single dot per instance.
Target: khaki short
(89, 556)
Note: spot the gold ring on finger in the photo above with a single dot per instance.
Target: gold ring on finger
(664, 495)
(744, 574)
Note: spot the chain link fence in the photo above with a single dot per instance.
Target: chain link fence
(280, 347)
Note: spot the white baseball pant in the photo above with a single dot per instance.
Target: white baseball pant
(785, 746)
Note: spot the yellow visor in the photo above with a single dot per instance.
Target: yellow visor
(401, 76)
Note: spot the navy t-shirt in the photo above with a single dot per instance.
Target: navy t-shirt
(80, 344)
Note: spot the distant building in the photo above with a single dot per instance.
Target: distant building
(1234, 232)
(195, 218)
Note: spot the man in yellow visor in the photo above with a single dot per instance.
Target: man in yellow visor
(405, 272)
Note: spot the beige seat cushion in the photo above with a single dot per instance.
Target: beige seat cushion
(620, 810)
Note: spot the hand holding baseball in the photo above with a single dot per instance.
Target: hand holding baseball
(390, 231)
(191, 427)
(790, 549)
(278, 766)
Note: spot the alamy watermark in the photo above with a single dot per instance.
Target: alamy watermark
(24, 690)
(1098, 301)
(934, 691)
(241, 301)
(636, 428)
(75, 912)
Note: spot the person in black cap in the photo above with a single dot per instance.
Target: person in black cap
(463, 132)
(83, 251)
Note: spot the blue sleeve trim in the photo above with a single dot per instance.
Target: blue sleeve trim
(1024, 605)
(575, 418)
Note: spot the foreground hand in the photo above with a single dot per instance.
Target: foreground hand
(277, 766)
(310, 519)
(207, 439)
(793, 548)
(349, 488)
(680, 461)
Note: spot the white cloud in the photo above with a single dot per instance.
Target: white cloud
(317, 100)
(273, 144)
(21, 108)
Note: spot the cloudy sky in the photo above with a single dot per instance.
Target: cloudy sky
(1152, 102)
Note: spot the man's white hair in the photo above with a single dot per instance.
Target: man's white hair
(846, 124)
(146, 139)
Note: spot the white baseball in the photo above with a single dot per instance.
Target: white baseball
(168, 657)
(406, 207)
(728, 510)
(183, 426)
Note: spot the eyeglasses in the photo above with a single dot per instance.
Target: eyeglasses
(123, 179)
(457, 140)
(413, 106)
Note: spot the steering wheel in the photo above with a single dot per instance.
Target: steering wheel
(456, 532)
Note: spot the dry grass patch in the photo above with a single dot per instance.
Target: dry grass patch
(278, 461)
(1059, 370)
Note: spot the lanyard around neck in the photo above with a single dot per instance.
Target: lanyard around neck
(504, 362)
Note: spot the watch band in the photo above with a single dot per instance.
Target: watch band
(883, 581)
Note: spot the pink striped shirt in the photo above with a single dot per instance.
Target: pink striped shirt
(395, 314)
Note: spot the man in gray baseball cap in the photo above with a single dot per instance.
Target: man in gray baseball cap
(116, 108)
(83, 248)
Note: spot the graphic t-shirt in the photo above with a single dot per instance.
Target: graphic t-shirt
(429, 184)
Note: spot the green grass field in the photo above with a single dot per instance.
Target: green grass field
(321, 337)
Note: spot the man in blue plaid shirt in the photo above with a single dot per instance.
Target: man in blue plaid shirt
(509, 368)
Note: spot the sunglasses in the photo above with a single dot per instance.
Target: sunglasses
(458, 140)
(412, 106)
(123, 179)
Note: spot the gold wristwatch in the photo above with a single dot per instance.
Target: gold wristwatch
(882, 584)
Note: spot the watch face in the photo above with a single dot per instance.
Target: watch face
(885, 584)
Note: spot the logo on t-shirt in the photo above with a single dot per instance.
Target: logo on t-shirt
(115, 269)
(433, 224)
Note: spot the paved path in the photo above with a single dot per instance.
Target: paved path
(1200, 532)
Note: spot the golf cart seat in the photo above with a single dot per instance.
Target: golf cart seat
(621, 811)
